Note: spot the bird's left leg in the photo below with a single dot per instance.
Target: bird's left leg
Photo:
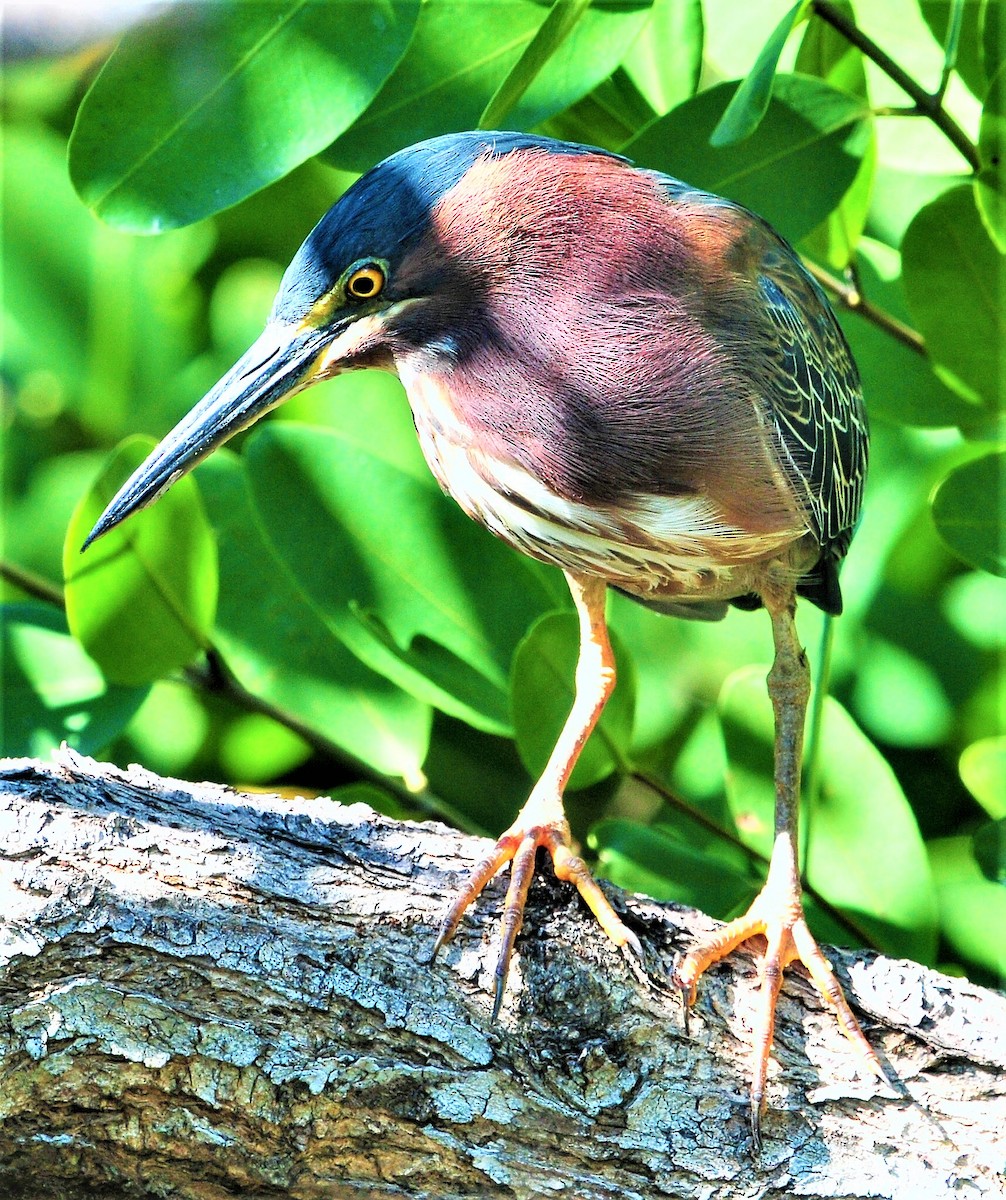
(777, 912)
(542, 820)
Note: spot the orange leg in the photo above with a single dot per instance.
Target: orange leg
(777, 912)
(542, 820)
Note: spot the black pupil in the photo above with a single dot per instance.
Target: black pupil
(363, 285)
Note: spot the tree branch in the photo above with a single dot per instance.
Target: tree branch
(207, 994)
(854, 300)
(927, 104)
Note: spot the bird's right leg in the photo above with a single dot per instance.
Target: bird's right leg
(542, 820)
(776, 915)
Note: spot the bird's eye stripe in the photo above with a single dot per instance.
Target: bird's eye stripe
(365, 282)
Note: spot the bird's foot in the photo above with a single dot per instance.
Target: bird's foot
(519, 846)
(776, 917)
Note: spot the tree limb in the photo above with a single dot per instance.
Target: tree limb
(206, 994)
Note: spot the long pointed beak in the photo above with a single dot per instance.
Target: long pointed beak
(281, 362)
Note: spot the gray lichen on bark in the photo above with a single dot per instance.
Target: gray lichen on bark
(208, 994)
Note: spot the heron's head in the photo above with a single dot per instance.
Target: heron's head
(383, 276)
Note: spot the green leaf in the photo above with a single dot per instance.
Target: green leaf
(792, 171)
(553, 31)
(899, 698)
(830, 56)
(983, 772)
(967, 62)
(993, 36)
(142, 598)
(255, 748)
(859, 814)
(210, 102)
(52, 691)
(588, 55)
(280, 647)
(952, 272)
(460, 55)
(972, 908)
(654, 861)
(665, 61)
(898, 383)
(749, 102)
(990, 183)
(542, 695)
(417, 591)
(990, 850)
(968, 508)
(837, 238)
(824, 52)
(660, 69)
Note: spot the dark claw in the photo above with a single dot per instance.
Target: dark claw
(755, 1114)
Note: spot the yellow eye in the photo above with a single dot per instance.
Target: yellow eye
(365, 282)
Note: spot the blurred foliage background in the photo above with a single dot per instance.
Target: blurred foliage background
(310, 613)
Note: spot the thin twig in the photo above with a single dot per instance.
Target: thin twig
(928, 104)
(34, 585)
(854, 300)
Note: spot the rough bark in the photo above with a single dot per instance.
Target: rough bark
(207, 994)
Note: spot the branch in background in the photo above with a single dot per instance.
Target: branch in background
(854, 300)
(215, 678)
(927, 104)
(34, 585)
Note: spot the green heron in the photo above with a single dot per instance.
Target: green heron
(618, 374)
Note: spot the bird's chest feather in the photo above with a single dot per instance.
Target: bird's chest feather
(646, 544)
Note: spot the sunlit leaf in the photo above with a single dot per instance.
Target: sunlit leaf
(811, 133)
(281, 648)
(899, 698)
(141, 599)
(837, 238)
(416, 590)
(851, 826)
(972, 908)
(52, 691)
(975, 604)
(829, 55)
(208, 103)
(750, 101)
(665, 61)
(952, 272)
(553, 31)
(983, 771)
(171, 729)
(256, 748)
(968, 508)
(898, 27)
(542, 695)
